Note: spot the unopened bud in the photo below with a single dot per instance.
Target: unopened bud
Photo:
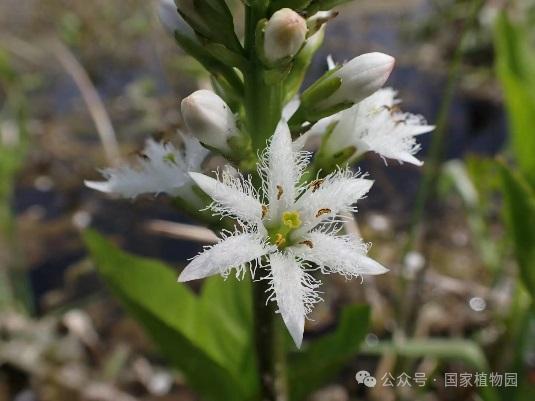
(315, 22)
(209, 118)
(285, 34)
(172, 20)
(360, 77)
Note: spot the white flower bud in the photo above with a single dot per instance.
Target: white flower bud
(361, 77)
(209, 118)
(172, 20)
(285, 33)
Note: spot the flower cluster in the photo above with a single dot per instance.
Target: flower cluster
(288, 205)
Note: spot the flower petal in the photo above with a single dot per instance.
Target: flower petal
(194, 152)
(234, 251)
(281, 167)
(233, 196)
(376, 124)
(161, 169)
(341, 254)
(294, 292)
(335, 195)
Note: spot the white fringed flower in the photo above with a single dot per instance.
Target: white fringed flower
(287, 230)
(161, 168)
(376, 124)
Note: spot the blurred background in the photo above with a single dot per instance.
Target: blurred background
(85, 82)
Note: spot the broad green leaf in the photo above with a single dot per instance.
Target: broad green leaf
(322, 359)
(188, 329)
(227, 303)
(520, 213)
(515, 61)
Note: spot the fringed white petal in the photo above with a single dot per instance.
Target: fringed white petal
(233, 196)
(194, 152)
(341, 254)
(295, 292)
(236, 251)
(330, 198)
(320, 128)
(160, 169)
(290, 108)
(281, 168)
(376, 124)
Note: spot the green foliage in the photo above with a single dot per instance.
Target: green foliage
(520, 213)
(466, 351)
(207, 337)
(515, 62)
(476, 181)
(14, 291)
(450, 349)
(323, 358)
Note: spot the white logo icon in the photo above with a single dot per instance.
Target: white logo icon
(364, 377)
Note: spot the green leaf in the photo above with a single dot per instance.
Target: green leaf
(205, 337)
(214, 66)
(520, 213)
(515, 61)
(323, 358)
(466, 351)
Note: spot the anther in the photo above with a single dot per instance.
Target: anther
(280, 191)
(323, 211)
(280, 240)
(315, 185)
(307, 243)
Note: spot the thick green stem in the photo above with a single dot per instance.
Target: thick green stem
(263, 100)
(270, 349)
(263, 107)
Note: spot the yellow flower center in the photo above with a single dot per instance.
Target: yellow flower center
(280, 235)
(291, 220)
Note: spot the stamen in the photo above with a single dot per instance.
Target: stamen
(307, 243)
(280, 191)
(315, 185)
(392, 109)
(264, 210)
(280, 240)
(323, 211)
